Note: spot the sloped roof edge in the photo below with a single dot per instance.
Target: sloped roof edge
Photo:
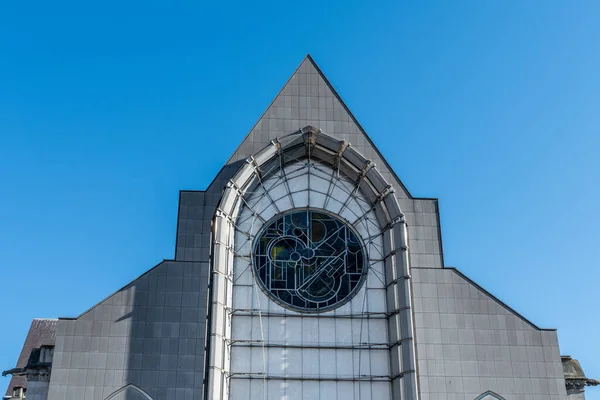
(335, 93)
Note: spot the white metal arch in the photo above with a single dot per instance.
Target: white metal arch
(310, 143)
(489, 395)
(129, 387)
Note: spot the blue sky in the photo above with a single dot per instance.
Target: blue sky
(107, 111)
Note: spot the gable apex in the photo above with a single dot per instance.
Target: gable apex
(308, 98)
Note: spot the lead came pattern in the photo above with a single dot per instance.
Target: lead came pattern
(309, 260)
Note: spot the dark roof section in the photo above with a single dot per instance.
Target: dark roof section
(41, 333)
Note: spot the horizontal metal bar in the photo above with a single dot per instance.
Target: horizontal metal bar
(256, 313)
(365, 346)
(359, 378)
(401, 374)
(399, 342)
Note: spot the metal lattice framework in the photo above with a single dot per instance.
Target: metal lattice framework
(267, 186)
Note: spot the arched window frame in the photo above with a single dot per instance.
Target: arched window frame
(124, 388)
(489, 395)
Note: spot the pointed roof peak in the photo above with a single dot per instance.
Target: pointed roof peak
(310, 58)
(308, 98)
(313, 63)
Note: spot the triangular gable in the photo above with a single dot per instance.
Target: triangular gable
(309, 99)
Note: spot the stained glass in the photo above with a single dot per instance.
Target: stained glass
(309, 260)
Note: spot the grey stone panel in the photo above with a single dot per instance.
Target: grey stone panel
(468, 342)
(149, 334)
(309, 99)
(37, 390)
(424, 232)
(196, 212)
(193, 227)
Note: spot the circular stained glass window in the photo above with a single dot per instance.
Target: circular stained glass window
(309, 260)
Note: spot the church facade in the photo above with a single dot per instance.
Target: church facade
(306, 270)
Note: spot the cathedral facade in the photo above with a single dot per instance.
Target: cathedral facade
(306, 270)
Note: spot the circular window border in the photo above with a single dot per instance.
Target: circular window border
(340, 303)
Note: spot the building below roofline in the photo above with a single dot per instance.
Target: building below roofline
(31, 376)
(575, 379)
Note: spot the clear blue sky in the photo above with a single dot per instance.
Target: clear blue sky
(108, 110)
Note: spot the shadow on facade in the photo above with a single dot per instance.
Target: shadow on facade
(168, 311)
